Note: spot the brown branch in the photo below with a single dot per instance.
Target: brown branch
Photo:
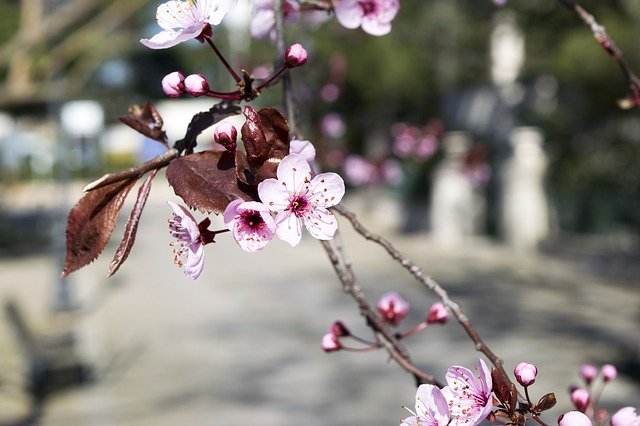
(603, 39)
(428, 282)
(384, 335)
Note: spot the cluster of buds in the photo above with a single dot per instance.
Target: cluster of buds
(393, 309)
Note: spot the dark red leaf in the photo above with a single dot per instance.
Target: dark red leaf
(276, 132)
(207, 181)
(255, 143)
(131, 228)
(501, 388)
(243, 171)
(266, 140)
(91, 222)
(145, 119)
(546, 402)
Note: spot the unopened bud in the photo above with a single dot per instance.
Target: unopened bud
(437, 314)
(295, 56)
(339, 329)
(574, 418)
(173, 84)
(330, 343)
(624, 417)
(609, 372)
(588, 373)
(226, 135)
(196, 85)
(393, 308)
(525, 373)
(580, 399)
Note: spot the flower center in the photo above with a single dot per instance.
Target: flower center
(252, 219)
(367, 6)
(298, 205)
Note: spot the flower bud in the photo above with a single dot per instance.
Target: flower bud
(625, 416)
(339, 329)
(196, 85)
(437, 313)
(609, 372)
(330, 343)
(580, 399)
(588, 372)
(393, 308)
(525, 373)
(226, 135)
(574, 418)
(173, 84)
(295, 56)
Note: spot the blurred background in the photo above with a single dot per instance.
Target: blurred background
(485, 140)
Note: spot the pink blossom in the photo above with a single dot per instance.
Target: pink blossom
(196, 85)
(295, 56)
(625, 416)
(437, 314)
(525, 373)
(226, 135)
(588, 372)
(250, 223)
(431, 408)
(580, 399)
(190, 243)
(359, 172)
(297, 199)
(173, 84)
(264, 17)
(469, 397)
(374, 16)
(393, 308)
(330, 343)
(574, 418)
(609, 372)
(185, 20)
(332, 125)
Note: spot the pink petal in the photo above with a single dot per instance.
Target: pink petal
(175, 14)
(289, 228)
(230, 213)
(349, 13)
(170, 38)
(195, 261)
(215, 10)
(373, 26)
(327, 189)
(262, 23)
(432, 405)
(273, 194)
(293, 173)
(320, 223)
(412, 421)
(303, 148)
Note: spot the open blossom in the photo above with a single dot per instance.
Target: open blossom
(185, 20)
(374, 16)
(250, 223)
(468, 396)
(299, 200)
(574, 418)
(625, 416)
(431, 408)
(393, 308)
(190, 243)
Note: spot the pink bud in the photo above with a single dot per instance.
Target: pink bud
(226, 135)
(339, 329)
(588, 372)
(574, 418)
(196, 85)
(330, 343)
(625, 416)
(580, 399)
(173, 84)
(609, 372)
(525, 373)
(393, 308)
(295, 56)
(437, 313)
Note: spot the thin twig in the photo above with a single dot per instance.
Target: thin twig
(428, 282)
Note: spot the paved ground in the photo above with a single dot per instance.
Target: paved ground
(241, 344)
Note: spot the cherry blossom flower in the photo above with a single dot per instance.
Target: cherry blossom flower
(525, 373)
(226, 135)
(250, 223)
(393, 308)
(609, 372)
(330, 342)
(580, 399)
(431, 408)
(295, 56)
(190, 242)
(196, 84)
(264, 17)
(185, 20)
(374, 16)
(298, 200)
(588, 372)
(437, 314)
(574, 418)
(469, 397)
(173, 84)
(625, 416)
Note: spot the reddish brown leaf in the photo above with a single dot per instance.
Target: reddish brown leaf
(255, 143)
(276, 132)
(243, 171)
(131, 228)
(207, 181)
(91, 222)
(146, 120)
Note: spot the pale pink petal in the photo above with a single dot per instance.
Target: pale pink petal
(373, 26)
(187, 221)
(625, 416)
(293, 173)
(262, 23)
(320, 223)
(175, 14)
(273, 194)
(303, 148)
(349, 13)
(170, 38)
(218, 9)
(195, 261)
(230, 213)
(432, 405)
(289, 228)
(326, 189)
(412, 421)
